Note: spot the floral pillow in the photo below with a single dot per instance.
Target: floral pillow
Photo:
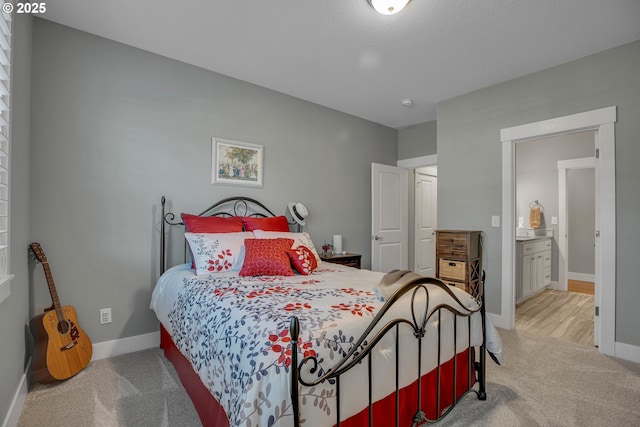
(303, 260)
(300, 239)
(217, 252)
(210, 224)
(267, 257)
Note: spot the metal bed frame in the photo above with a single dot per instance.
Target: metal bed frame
(304, 372)
(418, 324)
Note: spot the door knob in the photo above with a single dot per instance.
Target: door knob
(376, 237)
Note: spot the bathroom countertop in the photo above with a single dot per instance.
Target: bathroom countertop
(528, 239)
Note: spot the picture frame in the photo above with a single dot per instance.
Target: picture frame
(236, 163)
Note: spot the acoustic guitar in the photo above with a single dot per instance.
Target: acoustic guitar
(62, 348)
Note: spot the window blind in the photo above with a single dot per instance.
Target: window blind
(5, 139)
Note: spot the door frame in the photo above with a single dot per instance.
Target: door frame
(602, 121)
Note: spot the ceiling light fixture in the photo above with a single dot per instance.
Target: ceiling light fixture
(388, 7)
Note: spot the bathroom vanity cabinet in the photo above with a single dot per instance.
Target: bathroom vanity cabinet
(533, 266)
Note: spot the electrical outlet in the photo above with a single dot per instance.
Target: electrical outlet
(105, 315)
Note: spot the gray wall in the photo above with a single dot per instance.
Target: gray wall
(537, 178)
(470, 157)
(417, 141)
(115, 128)
(581, 204)
(14, 312)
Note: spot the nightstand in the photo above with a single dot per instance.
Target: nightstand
(351, 260)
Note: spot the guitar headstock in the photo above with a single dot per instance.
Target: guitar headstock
(38, 252)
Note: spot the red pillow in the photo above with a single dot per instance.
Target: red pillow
(303, 260)
(277, 223)
(266, 257)
(211, 224)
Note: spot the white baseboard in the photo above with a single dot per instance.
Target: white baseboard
(105, 349)
(583, 277)
(17, 404)
(627, 352)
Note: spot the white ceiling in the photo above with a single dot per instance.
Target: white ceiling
(345, 56)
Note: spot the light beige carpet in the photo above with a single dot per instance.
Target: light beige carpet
(543, 382)
(136, 389)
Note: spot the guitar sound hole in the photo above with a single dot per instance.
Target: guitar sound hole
(63, 326)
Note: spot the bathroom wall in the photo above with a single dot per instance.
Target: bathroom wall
(537, 177)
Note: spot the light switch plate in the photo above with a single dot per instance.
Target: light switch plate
(495, 220)
(554, 220)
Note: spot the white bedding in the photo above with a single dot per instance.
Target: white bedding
(234, 331)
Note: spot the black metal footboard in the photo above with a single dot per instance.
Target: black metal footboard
(417, 321)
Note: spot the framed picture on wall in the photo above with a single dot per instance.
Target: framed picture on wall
(236, 163)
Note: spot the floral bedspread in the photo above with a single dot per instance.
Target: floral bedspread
(235, 332)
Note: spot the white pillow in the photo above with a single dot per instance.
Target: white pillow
(299, 239)
(217, 252)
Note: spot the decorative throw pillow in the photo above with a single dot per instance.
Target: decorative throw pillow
(300, 239)
(267, 257)
(277, 223)
(217, 252)
(303, 260)
(210, 224)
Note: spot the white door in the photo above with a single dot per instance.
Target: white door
(597, 291)
(389, 200)
(425, 224)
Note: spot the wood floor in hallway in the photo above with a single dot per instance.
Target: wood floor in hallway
(580, 286)
(564, 315)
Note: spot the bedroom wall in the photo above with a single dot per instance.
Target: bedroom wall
(417, 141)
(470, 157)
(115, 128)
(14, 311)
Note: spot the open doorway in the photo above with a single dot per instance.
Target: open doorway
(393, 190)
(423, 190)
(548, 175)
(581, 223)
(602, 122)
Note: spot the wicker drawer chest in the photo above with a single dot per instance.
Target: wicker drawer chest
(459, 258)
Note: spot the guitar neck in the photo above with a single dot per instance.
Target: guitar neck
(52, 290)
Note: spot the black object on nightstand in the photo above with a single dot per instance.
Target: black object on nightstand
(349, 259)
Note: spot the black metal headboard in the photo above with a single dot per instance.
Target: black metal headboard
(229, 207)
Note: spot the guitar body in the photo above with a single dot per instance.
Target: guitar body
(62, 348)
(59, 355)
